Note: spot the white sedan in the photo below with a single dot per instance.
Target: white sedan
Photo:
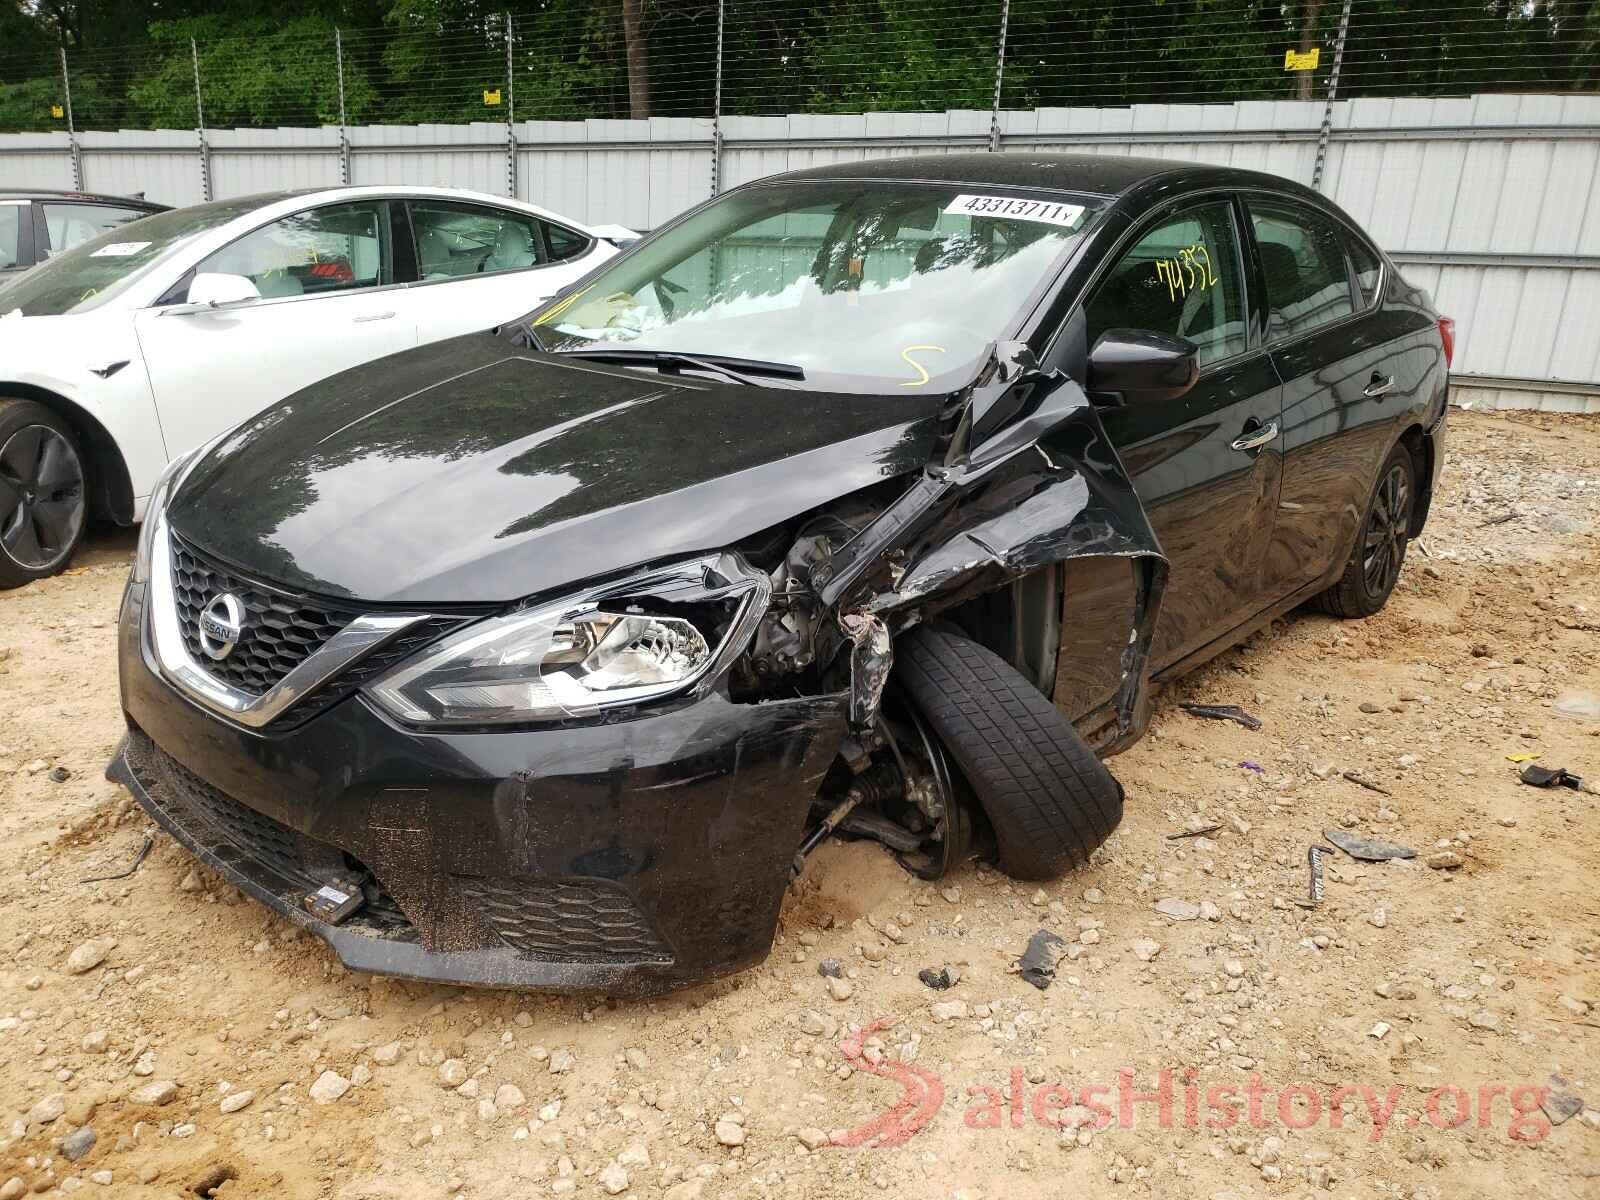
(149, 340)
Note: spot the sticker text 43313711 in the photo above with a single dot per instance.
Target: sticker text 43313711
(1018, 208)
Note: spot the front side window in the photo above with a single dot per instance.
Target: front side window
(73, 224)
(865, 286)
(1182, 278)
(10, 235)
(1302, 256)
(334, 249)
(463, 240)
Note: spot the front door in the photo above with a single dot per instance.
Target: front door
(1207, 465)
(327, 302)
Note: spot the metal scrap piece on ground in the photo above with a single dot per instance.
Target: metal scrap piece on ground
(1356, 778)
(1038, 962)
(1222, 712)
(1314, 861)
(1367, 849)
(1542, 777)
(137, 860)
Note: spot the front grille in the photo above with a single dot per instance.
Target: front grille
(281, 630)
(364, 670)
(565, 920)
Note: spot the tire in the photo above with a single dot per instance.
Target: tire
(1050, 801)
(44, 494)
(1380, 550)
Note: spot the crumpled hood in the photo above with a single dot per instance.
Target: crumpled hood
(472, 471)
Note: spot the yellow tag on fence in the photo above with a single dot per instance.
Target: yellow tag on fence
(57, 111)
(491, 97)
(1293, 60)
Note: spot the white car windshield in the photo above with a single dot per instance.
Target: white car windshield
(864, 286)
(88, 275)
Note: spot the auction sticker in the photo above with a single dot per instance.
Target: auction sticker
(119, 250)
(1017, 208)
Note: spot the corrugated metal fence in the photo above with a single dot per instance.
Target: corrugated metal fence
(1488, 201)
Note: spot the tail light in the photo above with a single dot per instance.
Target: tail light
(1447, 335)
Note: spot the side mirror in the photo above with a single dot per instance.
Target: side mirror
(211, 290)
(1143, 364)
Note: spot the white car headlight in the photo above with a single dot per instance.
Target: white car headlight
(646, 638)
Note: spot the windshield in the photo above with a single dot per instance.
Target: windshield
(88, 275)
(866, 286)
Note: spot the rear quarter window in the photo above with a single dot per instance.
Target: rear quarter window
(565, 243)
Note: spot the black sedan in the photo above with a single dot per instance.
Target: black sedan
(864, 501)
(34, 225)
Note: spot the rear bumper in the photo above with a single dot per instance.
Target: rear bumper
(629, 857)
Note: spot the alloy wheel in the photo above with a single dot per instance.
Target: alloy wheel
(1384, 543)
(41, 497)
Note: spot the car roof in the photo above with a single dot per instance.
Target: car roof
(1096, 174)
(92, 197)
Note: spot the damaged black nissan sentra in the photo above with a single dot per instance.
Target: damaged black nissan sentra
(865, 500)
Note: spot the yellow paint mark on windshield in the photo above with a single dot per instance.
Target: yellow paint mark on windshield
(559, 308)
(918, 367)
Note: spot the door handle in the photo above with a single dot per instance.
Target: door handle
(382, 316)
(1380, 385)
(1257, 438)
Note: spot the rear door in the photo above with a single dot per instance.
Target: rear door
(1207, 464)
(480, 265)
(1333, 347)
(327, 301)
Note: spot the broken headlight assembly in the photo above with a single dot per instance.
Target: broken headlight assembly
(665, 633)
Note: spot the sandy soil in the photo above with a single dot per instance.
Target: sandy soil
(1407, 980)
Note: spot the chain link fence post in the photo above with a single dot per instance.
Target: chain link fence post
(200, 125)
(511, 110)
(999, 77)
(72, 129)
(1333, 90)
(716, 109)
(344, 138)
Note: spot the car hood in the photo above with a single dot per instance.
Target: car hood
(472, 471)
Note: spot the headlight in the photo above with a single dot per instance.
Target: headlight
(656, 635)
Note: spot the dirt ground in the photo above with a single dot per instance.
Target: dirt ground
(1441, 991)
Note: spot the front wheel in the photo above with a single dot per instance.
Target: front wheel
(1380, 551)
(43, 493)
(1050, 801)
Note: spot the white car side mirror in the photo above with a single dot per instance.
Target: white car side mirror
(212, 289)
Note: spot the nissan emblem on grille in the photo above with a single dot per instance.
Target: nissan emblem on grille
(221, 625)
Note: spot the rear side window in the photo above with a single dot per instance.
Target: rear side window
(1181, 278)
(73, 224)
(10, 234)
(1302, 255)
(564, 242)
(1367, 268)
(456, 240)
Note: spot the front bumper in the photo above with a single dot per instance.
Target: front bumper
(627, 857)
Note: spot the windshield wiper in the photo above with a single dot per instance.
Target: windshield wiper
(739, 370)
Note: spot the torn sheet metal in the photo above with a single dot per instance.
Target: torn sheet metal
(871, 660)
(1046, 489)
